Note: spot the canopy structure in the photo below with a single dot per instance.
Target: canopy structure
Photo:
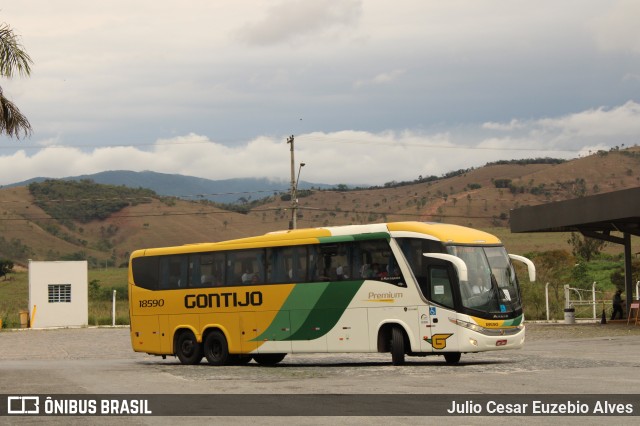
(595, 216)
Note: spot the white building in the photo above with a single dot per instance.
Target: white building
(58, 294)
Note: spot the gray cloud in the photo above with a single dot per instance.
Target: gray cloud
(294, 20)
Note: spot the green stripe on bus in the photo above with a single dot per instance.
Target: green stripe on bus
(302, 298)
(326, 313)
(372, 236)
(336, 239)
(514, 322)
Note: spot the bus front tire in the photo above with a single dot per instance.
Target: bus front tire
(452, 357)
(268, 359)
(397, 346)
(216, 349)
(188, 350)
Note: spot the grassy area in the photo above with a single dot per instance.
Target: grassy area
(14, 297)
(101, 296)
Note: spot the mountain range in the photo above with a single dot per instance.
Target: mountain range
(188, 187)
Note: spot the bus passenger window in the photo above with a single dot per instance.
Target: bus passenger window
(201, 270)
(173, 272)
(246, 267)
(145, 272)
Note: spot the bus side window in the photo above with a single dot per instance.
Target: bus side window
(276, 258)
(289, 264)
(196, 278)
(201, 272)
(173, 272)
(342, 263)
(440, 286)
(218, 269)
(145, 272)
(316, 264)
(299, 268)
(246, 267)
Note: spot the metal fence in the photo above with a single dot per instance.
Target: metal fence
(584, 303)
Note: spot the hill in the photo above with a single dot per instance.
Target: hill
(188, 187)
(480, 198)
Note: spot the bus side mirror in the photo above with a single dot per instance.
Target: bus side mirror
(461, 267)
(530, 266)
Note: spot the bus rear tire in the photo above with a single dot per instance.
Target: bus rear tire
(188, 350)
(216, 349)
(397, 346)
(452, 357)
(268, 359)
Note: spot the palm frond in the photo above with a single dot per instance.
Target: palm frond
(12, 122)
(13, 57)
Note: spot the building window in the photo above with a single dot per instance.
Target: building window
(59, 293)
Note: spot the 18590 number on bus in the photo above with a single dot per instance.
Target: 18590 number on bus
(151, 303)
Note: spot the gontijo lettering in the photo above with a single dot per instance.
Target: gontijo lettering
(223, 300)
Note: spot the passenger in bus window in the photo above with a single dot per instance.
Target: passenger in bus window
(247, 277)
(366, 271)
(378, 272)
(341, 272)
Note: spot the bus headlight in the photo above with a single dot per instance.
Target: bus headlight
(507, 331)
(470, 326)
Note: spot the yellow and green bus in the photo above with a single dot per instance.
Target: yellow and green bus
(404, 288)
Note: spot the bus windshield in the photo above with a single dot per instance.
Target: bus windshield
(492, 285)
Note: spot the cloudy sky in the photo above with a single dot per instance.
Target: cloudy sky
(373, 90)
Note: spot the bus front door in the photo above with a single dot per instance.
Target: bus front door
(441, 316)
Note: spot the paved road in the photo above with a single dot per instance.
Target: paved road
(556, 360)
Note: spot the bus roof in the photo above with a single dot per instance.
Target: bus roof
(446, 233)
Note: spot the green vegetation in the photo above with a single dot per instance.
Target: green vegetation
(14, 297)
(102, 283)
(525, 161)
(560, 268)
(6, 266)
(84, 201)
(14, 249)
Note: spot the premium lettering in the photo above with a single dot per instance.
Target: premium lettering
(223, 300)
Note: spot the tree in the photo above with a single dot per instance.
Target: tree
(6, 266)
(13, 59)
(585, 247)
(553, 267)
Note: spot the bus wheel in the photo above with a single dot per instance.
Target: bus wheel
(216, 349)
(452, 357)
(269, 359)
(188, 350)
(397, 346)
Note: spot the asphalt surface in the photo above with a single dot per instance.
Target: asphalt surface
(557, 359)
